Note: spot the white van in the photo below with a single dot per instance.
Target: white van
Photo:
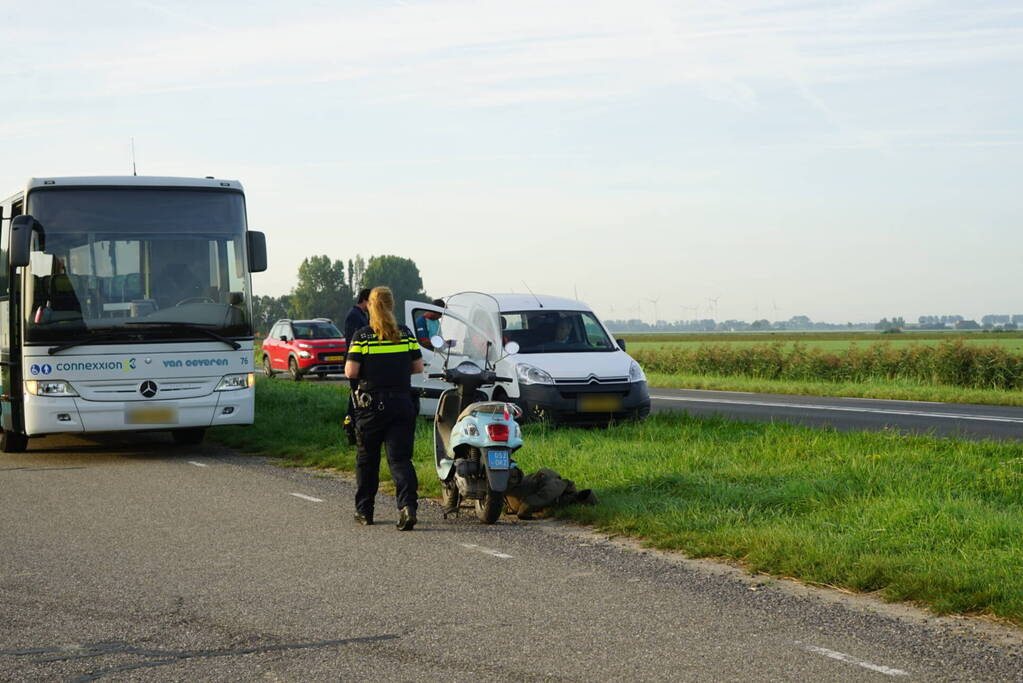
(567, 368)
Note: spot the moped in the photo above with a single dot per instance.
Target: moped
(474, 438)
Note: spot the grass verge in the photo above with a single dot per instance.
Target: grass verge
(901, 390)
(935, 521)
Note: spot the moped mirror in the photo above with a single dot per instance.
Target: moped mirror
(438, 341)
(511, 348)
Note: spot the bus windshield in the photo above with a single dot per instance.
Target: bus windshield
(130, 259)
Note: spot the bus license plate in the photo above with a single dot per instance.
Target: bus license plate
(498, 460)
(334, 358)
(600, 403)
(154, 415)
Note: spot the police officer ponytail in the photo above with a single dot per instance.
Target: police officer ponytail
(381, 314)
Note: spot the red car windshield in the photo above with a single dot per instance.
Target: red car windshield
(316, 330)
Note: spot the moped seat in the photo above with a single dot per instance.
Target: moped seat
(484, 407)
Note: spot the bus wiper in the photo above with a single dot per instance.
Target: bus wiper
(106, 336)
(190, 327)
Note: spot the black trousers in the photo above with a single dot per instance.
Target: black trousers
(395, 428)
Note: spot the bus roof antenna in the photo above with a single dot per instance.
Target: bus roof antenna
(133, 171)
(538, 302)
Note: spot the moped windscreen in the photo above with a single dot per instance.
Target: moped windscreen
(474, 328)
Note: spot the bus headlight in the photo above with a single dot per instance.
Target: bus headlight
(49, 387)
(235, 382)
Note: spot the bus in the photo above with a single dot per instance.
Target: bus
(125, 305)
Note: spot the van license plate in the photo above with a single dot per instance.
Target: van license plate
(156, 415)
(498, 460)
(600, 403)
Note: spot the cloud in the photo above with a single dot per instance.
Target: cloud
(489, 52)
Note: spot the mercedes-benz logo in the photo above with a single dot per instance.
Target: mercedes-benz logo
(148, 388)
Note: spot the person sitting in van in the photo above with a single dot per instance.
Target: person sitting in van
(428, 325)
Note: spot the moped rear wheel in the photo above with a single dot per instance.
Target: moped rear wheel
(490, 508)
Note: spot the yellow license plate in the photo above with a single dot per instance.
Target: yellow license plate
(157, 415)
(600, 403)
(332, 358)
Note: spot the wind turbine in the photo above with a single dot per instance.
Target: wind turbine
(714, 303)
(654, 302)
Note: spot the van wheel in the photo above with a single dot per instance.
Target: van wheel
(12, 442)
(293, 369)
(189, 437)
(268, 370)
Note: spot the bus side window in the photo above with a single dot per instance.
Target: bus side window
(5, 230)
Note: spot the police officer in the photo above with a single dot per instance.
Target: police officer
(382, 357)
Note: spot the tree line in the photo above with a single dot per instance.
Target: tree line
(326, 288)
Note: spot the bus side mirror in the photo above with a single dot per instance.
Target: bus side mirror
(20, 250)
(257, 251)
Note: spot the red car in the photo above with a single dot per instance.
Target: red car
(304, 347)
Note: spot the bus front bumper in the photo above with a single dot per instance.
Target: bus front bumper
(75, 415)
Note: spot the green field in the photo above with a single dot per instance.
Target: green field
(962, 368)
(935, 521)
(835, 342)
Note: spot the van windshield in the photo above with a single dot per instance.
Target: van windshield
(549, 331)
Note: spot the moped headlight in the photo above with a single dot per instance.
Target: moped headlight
(529, 374)
(636, 373)
(236, 382)
(49, 387)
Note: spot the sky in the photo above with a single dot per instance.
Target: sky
(840, 160)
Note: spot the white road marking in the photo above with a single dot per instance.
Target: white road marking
(197, 464)
(847, 409)
(849, 659)
(309, 498)
(486, 551)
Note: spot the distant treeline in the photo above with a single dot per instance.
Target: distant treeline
(951, 363)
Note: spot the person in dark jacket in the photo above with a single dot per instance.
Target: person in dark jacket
(356, 319)
(383, 356)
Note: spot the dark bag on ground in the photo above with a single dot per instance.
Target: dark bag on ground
(535, 493)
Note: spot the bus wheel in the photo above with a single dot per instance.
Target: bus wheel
(189, 437)
(12, 442)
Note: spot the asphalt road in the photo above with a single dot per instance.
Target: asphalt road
(134, 559)
(849, 414)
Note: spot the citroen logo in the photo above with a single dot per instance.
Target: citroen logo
(148, 388)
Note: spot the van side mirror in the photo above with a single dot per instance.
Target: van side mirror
(256, 242)
(20, 250)
(621, 343)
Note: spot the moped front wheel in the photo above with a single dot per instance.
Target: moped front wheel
(490, 508)
(449, 497)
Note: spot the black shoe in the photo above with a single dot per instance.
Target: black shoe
(406, 519)
(365, 520)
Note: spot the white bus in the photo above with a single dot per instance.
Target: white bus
(125, 306)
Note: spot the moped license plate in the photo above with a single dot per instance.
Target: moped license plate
(498, 460)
